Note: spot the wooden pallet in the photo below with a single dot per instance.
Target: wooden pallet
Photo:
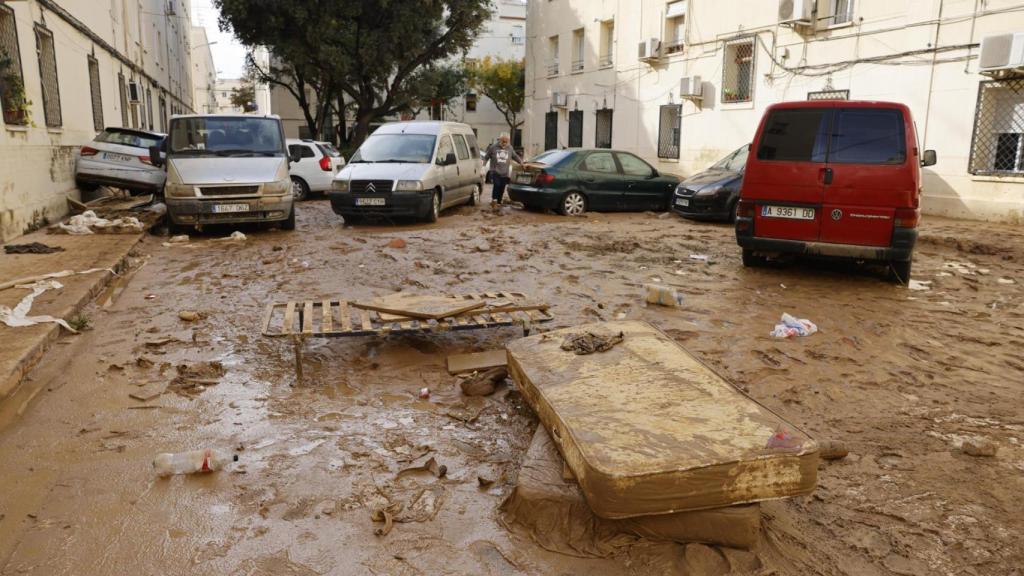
(339, 318)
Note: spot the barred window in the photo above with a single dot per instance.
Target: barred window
(738, 71)
(603, 132)
(48, 77)
(124, 99)
(12, 84)
(97, 94)
(551, 130)
(669, 128)
(576, 129)
(149, 108)
(996, 147)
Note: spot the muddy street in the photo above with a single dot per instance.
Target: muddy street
(903, 377)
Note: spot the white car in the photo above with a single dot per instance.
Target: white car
(314, 172)
(119, 157)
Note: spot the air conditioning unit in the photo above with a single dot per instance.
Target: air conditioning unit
(134, 93)
(1001, 53)
(691, 87)
(796, 11)
(559, 99)
(649, 50)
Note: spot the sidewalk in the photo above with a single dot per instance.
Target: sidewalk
(21, 348)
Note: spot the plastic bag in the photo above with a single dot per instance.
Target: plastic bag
(791, 326)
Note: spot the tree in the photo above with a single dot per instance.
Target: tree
(306, 84)
(371, 50)
(504, 82)
(436, 86)
(244, 97)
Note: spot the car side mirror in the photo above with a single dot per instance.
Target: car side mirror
(929, 158)
(155, 157)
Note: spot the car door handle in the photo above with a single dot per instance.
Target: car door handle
(827, 175)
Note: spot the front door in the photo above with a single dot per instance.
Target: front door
(643, 190)
(600, 180)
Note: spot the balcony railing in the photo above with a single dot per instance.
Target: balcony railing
(553, 68)
(605, 61)
(674, 46)
(577, 65)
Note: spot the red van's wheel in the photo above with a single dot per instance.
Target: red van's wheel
(749, 260)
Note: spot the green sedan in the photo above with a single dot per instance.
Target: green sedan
(575, 181)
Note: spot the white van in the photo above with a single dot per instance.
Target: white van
(226, 168)
(410, 169)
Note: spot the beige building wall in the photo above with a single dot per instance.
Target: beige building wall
(204, 73)
(222, 95)
(879, 50)
(142, 41)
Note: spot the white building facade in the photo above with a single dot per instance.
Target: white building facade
(204, 73)
(70, 68)
(684, 82)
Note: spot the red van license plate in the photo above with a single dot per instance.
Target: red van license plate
(791, 212)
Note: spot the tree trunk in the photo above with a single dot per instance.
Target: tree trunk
(342, 127)
(364, 115)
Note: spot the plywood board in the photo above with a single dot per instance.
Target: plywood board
(422, 306)
(649, 429)
(149, 391)
(462, 363)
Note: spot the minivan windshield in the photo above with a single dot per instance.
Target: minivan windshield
(226, 136)
(404, 148)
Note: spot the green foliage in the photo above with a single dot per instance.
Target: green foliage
(436, 84)
(80, 323)
(504, 82)
(244, 98)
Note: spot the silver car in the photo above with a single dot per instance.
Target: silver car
(119, 157)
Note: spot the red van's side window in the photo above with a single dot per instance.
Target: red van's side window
(795, 135)
(868, 136)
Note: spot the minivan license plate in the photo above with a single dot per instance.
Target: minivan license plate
(228, 208)
(371, 201)
(791, 212)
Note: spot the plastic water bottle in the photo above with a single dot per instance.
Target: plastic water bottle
(207, 460)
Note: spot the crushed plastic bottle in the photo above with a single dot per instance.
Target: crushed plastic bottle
(207, 460)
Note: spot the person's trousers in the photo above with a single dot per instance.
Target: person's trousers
(498, 184)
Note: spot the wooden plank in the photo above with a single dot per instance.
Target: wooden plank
(461, 363)
(402, 307)
(365, 316)
(149, 391)
(267, 316)
(307, 318)
(328, 324)
(346, 320)
(289, 318)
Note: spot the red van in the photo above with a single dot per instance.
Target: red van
(834, 179)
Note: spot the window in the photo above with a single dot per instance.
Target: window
(445, 148)
(669, 127)
(579, 46)
(124, 99)
(518, 35)
(998, 128)
(471, 102)
(126, 137)
(300, 150)
(553, 56)
(868, 136)
(163, 114)
(12, 83)
(576, 129)
(96, 93)
(633, 166)
(839, 12)
(600, 162)
(460, 146)
(603, 132)
(551, 131)
(474, 150)
(606, 56)
(149, 108)
(48, 77)
(738, 71)
(675, 27)
(517, 138)
(795, 135)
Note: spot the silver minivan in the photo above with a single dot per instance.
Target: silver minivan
(410, 169)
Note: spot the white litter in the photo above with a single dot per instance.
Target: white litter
(792, 326)
(86, 222)
(236, 236)
(663, 295)
(920, 285)
(699, 257)
(18, 316)
(179, 239)
(1006, 281)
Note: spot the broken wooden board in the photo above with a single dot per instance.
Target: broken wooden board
(462, 363)
(149, 391)
(649, 429)
(421, 306)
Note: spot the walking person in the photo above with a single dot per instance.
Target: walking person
(501, 155)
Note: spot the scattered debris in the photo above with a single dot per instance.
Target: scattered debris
(482, 246)
(179, 239)
(699, 257)
(589, 342)
(396, 243)
(783, 439)
(149, 391)
(832, 450)
(422, 306)
(80, 323)
(467, 410)
(194, 378)
(791, 326)
(1006, 281)
(979, 447)
(208, 460)
(150, 296)
(663, 295)
(483, 383)
(430, 465)
(62, 274)
(919, 285)
(385, 515)
(235, 236)
(424, 393)
(462, 363)
(32, 248)
(89, 223)
(189, 315)
(18, 316)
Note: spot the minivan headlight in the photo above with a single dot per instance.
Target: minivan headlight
(339, 185)
(409, 185)
(277, 188)
(179, 190)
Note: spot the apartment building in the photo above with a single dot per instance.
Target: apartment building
(204, 73)
(222, 93)
(684, 82)
(69, 69)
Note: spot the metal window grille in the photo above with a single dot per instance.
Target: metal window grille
(997, 145)
(841, 12)
(829, 95)
(149, 108)
(738, 71)
(163, 114)
(669, 128)
(96, 93)
(551, 130)
(603, 131)
(10, 68)
(48, 77)
(124, 99)
(576, 129)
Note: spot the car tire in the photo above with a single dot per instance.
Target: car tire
(732, 212)
(435, 208)
(300, 190)
(289, 222)
(86, 186)
(573, 204)
(750, 260)
(474, 197)
(899, 271)
(177, 229)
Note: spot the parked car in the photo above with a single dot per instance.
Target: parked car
(713, 193)
(410, 169)
(575, 181)
(226, 168)
(314, 172)
(834, 179)
(119, 157)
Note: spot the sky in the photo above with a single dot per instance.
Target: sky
(228, 53)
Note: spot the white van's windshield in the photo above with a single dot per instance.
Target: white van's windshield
(399, 148)
(226, 136)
